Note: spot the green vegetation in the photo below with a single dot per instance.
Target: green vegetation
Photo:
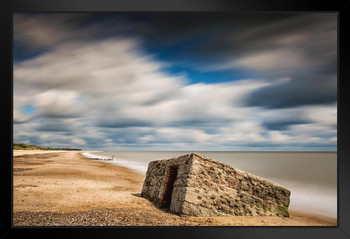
(282, 210)
(20, 146)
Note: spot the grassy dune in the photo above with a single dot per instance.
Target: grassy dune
(20, 146)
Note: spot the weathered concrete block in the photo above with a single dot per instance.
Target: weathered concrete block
(196, 185)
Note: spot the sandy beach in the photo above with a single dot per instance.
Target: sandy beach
(63, 188)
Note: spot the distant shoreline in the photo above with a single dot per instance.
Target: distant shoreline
(21, 146)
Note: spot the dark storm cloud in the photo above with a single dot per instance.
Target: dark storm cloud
(299, 46)
(211, 34)
(123, 123)
(254, 32)
(306, 53)
(220, 35)
(282, 125)
(300, 91)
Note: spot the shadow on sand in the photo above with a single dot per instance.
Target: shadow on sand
(166, 210)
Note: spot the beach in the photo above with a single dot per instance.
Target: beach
(64, 188)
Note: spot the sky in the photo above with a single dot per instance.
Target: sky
(176, 81)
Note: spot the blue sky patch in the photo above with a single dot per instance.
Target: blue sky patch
(29, 109)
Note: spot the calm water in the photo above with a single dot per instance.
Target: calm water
(311, 177)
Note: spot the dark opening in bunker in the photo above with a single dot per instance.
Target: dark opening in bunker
(169, 187)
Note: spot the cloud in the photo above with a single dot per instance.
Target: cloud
(79, 141)
(265, 60)
(40, 30)
(302, 47)
(111, 94)
(300, 91)
(282, 125)
(123, 123)
(112, 78)
(58, 104)
(325, 115)
(57, 124)
(46, 30)
(19, 117)
(99, 77)
(108, 91)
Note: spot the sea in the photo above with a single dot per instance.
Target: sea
(310, 176)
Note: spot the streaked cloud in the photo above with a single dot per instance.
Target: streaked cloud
(101, 82)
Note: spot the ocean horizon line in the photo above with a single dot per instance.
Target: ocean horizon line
(210, 151)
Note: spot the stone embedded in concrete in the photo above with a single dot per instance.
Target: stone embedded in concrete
(196, 185)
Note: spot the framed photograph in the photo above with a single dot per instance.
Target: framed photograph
(176, 119)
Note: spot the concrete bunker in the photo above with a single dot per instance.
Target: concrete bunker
(196, 185)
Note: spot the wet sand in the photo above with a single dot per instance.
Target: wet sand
(66, 189)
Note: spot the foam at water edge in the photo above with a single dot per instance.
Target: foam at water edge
(120, 162)
(131, 165)
(95, 156)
